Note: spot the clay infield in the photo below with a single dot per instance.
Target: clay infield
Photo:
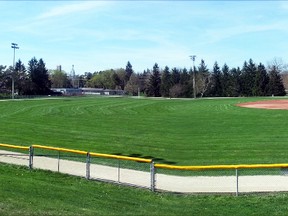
(268, 104)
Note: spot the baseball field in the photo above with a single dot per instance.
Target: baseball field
(180, 132)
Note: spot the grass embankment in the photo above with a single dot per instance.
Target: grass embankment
(181, 132)
(25, 192)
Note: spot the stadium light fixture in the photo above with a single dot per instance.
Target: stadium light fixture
(192, 57)
(14, 46)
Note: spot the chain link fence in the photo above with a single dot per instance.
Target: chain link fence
(19, 156)
(103, 167)
(144, 173)
(234, 179)
(135, 173)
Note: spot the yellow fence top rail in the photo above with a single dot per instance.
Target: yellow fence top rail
(94, 154)
(210, 167)
(14, 146)
(60, 149)
(121, 157)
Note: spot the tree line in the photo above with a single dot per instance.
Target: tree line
(33, 80)
(250, 80)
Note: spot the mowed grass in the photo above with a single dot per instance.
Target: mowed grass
(181, 132)
(25, 192)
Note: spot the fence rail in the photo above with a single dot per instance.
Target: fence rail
(145, 173)
(215, 167)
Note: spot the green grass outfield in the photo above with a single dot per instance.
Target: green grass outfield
(25, 192)
(181, 132)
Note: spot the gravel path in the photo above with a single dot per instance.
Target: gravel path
(180, 184)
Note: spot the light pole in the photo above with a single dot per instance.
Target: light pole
(194, 79)
(14, 46)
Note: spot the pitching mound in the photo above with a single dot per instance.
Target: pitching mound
(269, 104)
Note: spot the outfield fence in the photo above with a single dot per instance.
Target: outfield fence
(145, 173)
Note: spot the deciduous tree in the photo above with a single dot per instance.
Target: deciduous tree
(202, 78)
(59, 79)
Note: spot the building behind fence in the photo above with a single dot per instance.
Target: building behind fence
(145, 173)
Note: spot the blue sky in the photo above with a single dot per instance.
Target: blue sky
(99, 35)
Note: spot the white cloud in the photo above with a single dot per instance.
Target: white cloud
(219, 34)
(284, 5)
(73, 8)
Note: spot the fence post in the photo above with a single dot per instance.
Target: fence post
(88, 166)
(31, 157)
(58, 165)
(118, 171)
(237, 183)
(152, 172)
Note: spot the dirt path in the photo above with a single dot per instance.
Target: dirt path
(181, 184)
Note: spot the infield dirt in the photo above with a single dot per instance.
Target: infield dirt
(267, 104)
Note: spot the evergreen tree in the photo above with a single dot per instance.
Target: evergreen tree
(128, 72)
(276, 86)
(184, 77)
(165, 82)
(185, 81)
(187, 90)
(175, 76)
(20, 77)
(215, 88)
(3, 79)
(248, 77)
(235, 74)
(154, 82)
(261, 81)
(226, 81)
(39, 77)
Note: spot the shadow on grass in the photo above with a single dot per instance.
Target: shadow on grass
(155, 159)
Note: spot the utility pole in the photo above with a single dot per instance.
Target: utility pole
(192, 57)
(14, 46)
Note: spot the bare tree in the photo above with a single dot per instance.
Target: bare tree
(277, 64)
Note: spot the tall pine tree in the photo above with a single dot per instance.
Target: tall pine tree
(165, 82)
(128, 72)
(248, 77)
(276, 86)
(261, 81)
(154, 82)
(216, 89)
(39, 77)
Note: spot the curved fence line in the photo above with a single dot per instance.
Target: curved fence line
(141, 172)
(159, 166)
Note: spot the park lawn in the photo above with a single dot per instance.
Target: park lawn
(181, 132)
(36, 192)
